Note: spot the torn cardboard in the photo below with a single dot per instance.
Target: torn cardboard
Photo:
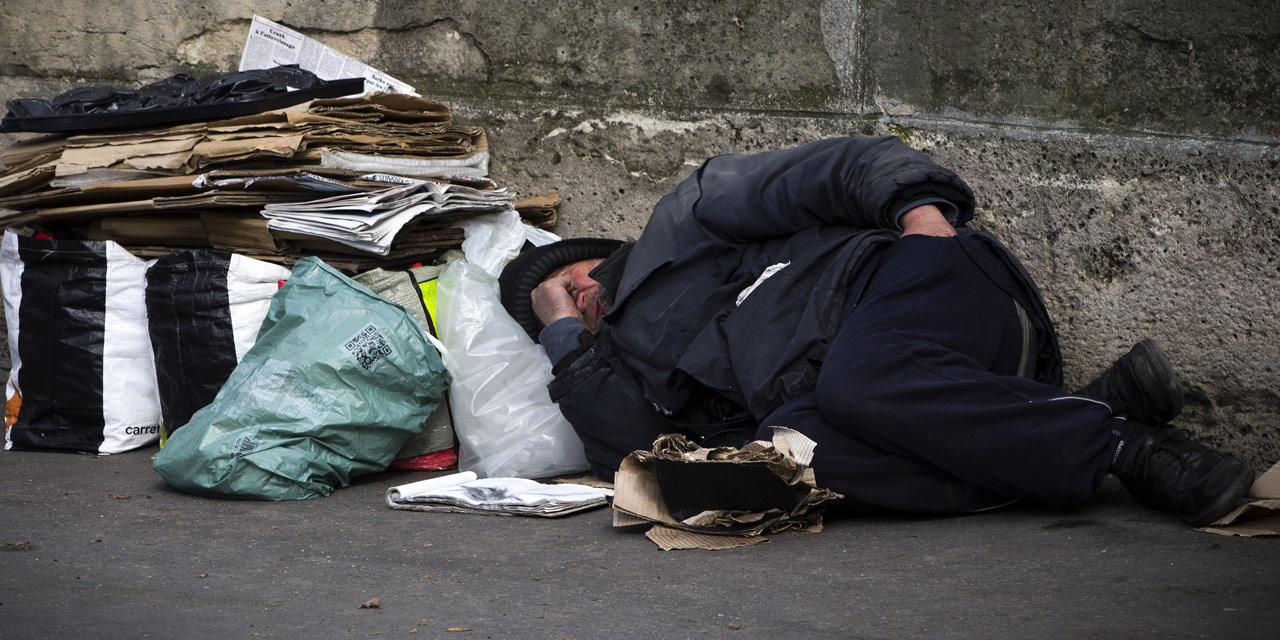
(539, 211)
(1258, 517)
(19, 181)
(721, 498)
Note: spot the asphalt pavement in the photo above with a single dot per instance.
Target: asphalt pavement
(100, 547)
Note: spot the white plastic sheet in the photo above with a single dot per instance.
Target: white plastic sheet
(493, 240)
(506, 422)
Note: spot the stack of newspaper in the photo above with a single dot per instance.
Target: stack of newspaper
(372, 221)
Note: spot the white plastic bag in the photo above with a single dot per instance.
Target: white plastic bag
(493, 240)
(507, 425)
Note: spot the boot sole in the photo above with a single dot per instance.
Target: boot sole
(1158, 382)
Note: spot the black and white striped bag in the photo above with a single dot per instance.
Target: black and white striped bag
(204, 309)
(83, 376)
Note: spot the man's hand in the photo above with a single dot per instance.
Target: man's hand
(554, 299)
(926, 220)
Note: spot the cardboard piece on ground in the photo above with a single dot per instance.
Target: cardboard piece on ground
(1268, 484)
(670, 539)
(1258, 517)
(398, 106)
(103, 176)
(720, 498)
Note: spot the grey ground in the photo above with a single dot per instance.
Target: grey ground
(100, 547)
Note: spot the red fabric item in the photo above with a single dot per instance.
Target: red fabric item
(437, 461)
(40, 235)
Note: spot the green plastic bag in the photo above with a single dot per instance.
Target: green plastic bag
(336, 383)
(415, 290)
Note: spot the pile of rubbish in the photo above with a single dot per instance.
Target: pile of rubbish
(287, 281)
(284, 280)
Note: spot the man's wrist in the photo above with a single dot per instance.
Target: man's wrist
(946, 207)
(561, 337)
(926, 220)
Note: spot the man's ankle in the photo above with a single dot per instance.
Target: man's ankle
(1126, 436)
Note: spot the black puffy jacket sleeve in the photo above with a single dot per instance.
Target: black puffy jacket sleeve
(852, 182)
(602, 400)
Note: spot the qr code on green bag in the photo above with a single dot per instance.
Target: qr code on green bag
(368, 347)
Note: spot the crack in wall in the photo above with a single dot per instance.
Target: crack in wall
(1141, 31)
(470, 38)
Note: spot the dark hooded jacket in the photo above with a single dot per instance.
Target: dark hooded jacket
(683, 351)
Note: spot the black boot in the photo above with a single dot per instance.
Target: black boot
(1168, 471)
(1140, 385)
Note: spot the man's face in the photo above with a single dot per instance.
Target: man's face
(591, 299)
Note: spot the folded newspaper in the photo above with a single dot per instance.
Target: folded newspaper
(270, 44)
(370, 221)
(466, 493)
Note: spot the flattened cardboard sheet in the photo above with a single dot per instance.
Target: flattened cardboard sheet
(711, 513)
(1258, 517)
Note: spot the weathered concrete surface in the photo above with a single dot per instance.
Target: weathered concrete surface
(1166, 65)
(100, 548)
(1161, 65)
(1127, 151)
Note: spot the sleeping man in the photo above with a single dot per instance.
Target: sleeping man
(835, 289)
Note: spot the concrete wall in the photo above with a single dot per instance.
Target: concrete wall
(1129, 151)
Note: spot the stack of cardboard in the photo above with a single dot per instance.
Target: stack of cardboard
(206, 184)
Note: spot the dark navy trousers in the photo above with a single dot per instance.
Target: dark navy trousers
(919, 406)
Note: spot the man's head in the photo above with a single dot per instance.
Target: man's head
(571, 291)
(558, 267)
